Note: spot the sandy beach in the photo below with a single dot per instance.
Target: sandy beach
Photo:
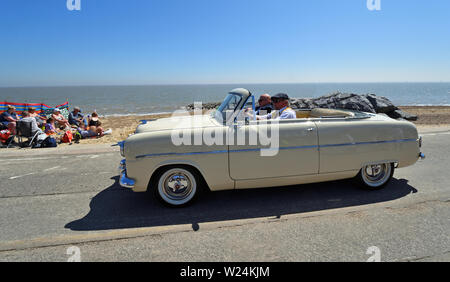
(122, 126)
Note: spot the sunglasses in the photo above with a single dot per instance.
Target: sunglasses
(276, 100)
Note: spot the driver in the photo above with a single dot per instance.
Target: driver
(282, 110)
(264, 105)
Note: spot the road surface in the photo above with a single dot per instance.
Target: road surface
(50, 203)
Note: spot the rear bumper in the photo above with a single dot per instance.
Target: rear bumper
(124, 181)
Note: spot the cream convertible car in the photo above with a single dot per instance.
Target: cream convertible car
(176, 157)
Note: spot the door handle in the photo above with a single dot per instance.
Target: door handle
(311, 129)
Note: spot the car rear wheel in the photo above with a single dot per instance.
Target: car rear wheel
(177, 186)
(376, 176)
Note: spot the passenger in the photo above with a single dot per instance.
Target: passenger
(34, 125)
(8, 119)
(59, 119)
(264, 105)
(76, 117)
(283, 111)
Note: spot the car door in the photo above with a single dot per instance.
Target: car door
(291, 149)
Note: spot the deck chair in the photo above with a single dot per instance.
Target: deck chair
(23, 129)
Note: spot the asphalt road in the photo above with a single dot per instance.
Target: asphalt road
(51, 202)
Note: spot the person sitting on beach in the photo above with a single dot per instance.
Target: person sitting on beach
(34, 125)
(50, 128)
(76, 117)
(39, 119)
(8, 119)
(59, 119)
(94, 120)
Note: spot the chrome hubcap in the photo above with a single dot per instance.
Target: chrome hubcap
(376, 175)
(177, 186)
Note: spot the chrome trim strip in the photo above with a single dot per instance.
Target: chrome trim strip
(181, 154)
(368, 143)
(281, 148)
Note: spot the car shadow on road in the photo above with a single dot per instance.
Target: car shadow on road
(117, 207)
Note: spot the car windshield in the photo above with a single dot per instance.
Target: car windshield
(228, 106)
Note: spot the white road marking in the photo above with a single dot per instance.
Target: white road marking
(31, 173)
(97, 173)
(434, 133)
(11, 161)
(14, 177)
(30, 159)
(52, 168)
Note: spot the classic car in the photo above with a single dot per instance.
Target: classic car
(319, 145)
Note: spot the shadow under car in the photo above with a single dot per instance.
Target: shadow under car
(117, 207)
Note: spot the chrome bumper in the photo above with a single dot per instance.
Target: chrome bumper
(124, 181)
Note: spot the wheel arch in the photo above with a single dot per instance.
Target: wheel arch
(187, 165)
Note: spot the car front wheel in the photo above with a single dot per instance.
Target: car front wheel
(177, 186)
(374, 177)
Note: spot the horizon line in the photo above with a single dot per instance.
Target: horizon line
(229, 83)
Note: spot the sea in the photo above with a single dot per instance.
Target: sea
(152, 99)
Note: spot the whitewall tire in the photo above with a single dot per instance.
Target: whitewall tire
(376, 176)
(177, 186)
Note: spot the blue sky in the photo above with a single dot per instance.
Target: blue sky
(112, 42)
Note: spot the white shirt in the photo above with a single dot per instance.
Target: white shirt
(284, 113)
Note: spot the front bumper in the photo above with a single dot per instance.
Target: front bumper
(124, 181)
